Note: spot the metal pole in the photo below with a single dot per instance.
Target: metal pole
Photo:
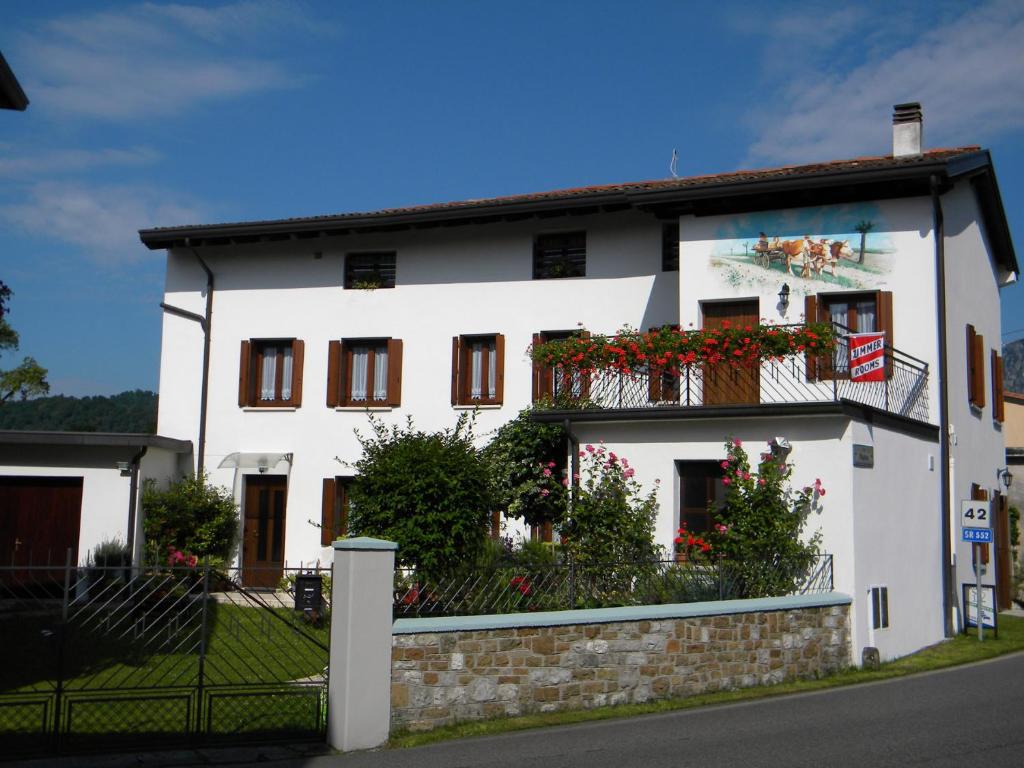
(978, 601)
(202, 647)
(61, 630)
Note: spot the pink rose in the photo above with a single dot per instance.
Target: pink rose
(726, 481)
(547, 472)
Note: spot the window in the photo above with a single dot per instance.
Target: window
(364, 373)
(552, 383)
(879, 607)
(975, 368)
(478, 369)
(334, 511)
(670, 247)
(998, 405)
(849, 313)
(560, 255)
(700, 489)
(270, 373)
(370, 270)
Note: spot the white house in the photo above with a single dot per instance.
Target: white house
(278, 335)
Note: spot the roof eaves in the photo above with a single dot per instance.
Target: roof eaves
(11, 94)
(93, 439)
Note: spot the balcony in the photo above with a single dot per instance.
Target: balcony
(797, 379)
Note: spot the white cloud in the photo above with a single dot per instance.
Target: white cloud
(967, 73)
(149, 59)
(74, 160)
(102, 220)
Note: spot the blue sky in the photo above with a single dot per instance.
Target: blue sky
(146, 114)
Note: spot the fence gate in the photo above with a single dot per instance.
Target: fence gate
(115, 658)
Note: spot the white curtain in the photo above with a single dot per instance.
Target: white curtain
(492, 372)
(286, 372)
(476, 371)
(839, 314)
(866, 322)
(380, 373)
(269, 373)
(360, 361)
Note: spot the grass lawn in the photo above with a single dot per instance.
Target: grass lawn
(962, 649)
(136, 683)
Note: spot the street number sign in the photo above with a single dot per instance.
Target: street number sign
(977, 535)
(975, 514)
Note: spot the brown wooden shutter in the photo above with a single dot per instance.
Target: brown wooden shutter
(998, 403)
(245, 361)
(884, 304)
(496, 524)
(978, 494)
(979, 370)
(394, 372)
(811, 316)
(456, 356)
(499, 353)
(333, 373)
(298, 352)
(538, 372)
(328, 503)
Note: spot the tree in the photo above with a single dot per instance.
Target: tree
(759, 528)
(521, 458)
(428, 491)
(29, 378)
(863, 226)
(611, 519)
(191, 517)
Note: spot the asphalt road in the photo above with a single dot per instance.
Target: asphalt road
(961, 717)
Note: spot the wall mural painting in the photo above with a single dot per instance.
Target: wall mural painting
(833, 248)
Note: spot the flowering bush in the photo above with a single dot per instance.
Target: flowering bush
(667, 349)
(190, 517)
(179, 558)
(523, 461)
(759, 527)
(693, 548)
(610, 520)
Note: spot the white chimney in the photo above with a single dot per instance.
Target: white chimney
(907, 132)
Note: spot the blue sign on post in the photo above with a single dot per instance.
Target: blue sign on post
(977, 535)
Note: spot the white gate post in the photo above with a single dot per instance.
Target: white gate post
(359, 681)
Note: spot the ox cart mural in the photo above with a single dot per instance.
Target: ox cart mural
(805, 257)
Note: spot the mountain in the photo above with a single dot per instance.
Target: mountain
(127, 412)
(1013, 366)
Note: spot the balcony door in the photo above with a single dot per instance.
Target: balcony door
(723, 383)
(263, 533)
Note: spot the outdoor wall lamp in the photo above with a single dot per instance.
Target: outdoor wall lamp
(784, 297)
(1006, 476)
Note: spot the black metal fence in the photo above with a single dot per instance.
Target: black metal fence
(794, 379)
(517, 588)
(111, 658)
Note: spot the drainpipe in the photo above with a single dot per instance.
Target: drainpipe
(205, 323)
(948, 580)
(133, 492)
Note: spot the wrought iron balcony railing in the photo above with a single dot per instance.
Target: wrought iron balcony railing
(796, 379)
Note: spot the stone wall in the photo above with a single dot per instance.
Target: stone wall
(440, 677)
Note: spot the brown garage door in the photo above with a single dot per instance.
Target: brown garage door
(40, 519)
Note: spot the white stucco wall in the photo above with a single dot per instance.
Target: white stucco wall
(897, 540)
(450, 281)
(972, 280)
(708, 271)
(105, 492)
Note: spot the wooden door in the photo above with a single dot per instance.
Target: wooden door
(263, 533)
(40, 519)
(723, 383)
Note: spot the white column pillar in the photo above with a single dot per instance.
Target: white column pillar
(359, 683)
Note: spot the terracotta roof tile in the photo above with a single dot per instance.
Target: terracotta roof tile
(706, 180)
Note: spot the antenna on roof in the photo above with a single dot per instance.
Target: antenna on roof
(672, 165)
